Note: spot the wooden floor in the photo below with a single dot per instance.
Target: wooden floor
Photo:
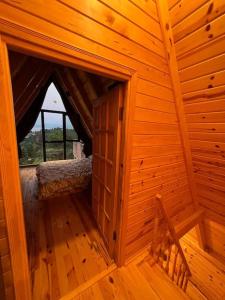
(68, 258)
(141, 280)
(208, 273)
(64, 247)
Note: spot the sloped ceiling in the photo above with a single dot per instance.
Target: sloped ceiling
(30, 74)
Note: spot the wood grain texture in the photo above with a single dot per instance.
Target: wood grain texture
(106, 152)
(105, 34)
(198, 33)
(64, 247)
(14, 277)
(207, 272)
(172, 62)
(140, 279)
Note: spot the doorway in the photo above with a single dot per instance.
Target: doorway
(108, 124)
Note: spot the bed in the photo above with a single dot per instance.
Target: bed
(57, 178)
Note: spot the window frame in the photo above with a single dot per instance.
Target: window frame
(64, 140)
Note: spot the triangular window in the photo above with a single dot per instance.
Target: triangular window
(52, 136)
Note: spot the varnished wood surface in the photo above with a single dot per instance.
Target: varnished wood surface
(6, 279)
(140, 279)
(124, 33)
(106, 35)
(172, 61)
(208, 274)
(198, 31)
(11, 205)
(65, 252)
(165, 242)
(106, 161)
(65, 249)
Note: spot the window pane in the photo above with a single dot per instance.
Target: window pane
(53, 127)
(69, 150)
(31, 149)
(54, 151)
(70, 132)
(53, 100)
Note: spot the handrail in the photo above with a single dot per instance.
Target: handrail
(165, 239)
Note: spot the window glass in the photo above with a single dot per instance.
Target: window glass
(69, 150)
(54, 151)
(70, 132)
(53, 127)
(30, 149)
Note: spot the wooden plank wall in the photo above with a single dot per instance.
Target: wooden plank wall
(199, 37)
(6, 279)
(127, 32)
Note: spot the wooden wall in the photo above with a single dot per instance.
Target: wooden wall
(6, 279)
(127, 32)
(199, 36)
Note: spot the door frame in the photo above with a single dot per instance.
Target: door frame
(22, 39)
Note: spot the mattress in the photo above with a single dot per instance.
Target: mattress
(57, 178)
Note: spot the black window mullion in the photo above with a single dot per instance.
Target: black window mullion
(64, 134)
(44, 141)
(43, 135)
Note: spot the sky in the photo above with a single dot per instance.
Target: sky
(52, 101)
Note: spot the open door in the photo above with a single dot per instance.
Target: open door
(107, 113)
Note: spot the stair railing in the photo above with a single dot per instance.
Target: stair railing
(166, 250)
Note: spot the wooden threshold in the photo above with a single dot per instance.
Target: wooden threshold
(89, 283)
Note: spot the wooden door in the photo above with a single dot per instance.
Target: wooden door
(106, 155)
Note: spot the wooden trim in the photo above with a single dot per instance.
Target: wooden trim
(125, 163)
(11, 183)
(29, 42)
(163, 11)
(24, 40)
(2, 288)
(83, 287)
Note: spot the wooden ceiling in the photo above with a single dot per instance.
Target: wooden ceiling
(30, 74)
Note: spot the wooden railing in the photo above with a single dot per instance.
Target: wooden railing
(166, 250)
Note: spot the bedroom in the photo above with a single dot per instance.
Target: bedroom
(70, 210)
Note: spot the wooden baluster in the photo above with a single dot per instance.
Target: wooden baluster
(179, 268)
(174, 264)
(186, 282)
(172, 231)
(162, 247)
(163, 252)
(182, 275)
(158, 251)
(168, 258)
(156, 229)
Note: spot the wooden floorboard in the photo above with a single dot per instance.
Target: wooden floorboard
(64, 246)
(68, 259)
(137, 281)
(142, 280)
(208, 274)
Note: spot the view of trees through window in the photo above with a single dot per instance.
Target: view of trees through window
(31, 148)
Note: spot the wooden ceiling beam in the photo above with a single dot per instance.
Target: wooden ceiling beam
(75, 93)
(71, 92)
(88, 84)
(96, 84)
(81, 87)
(17, 61)
(27, 76)
(32, 90)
